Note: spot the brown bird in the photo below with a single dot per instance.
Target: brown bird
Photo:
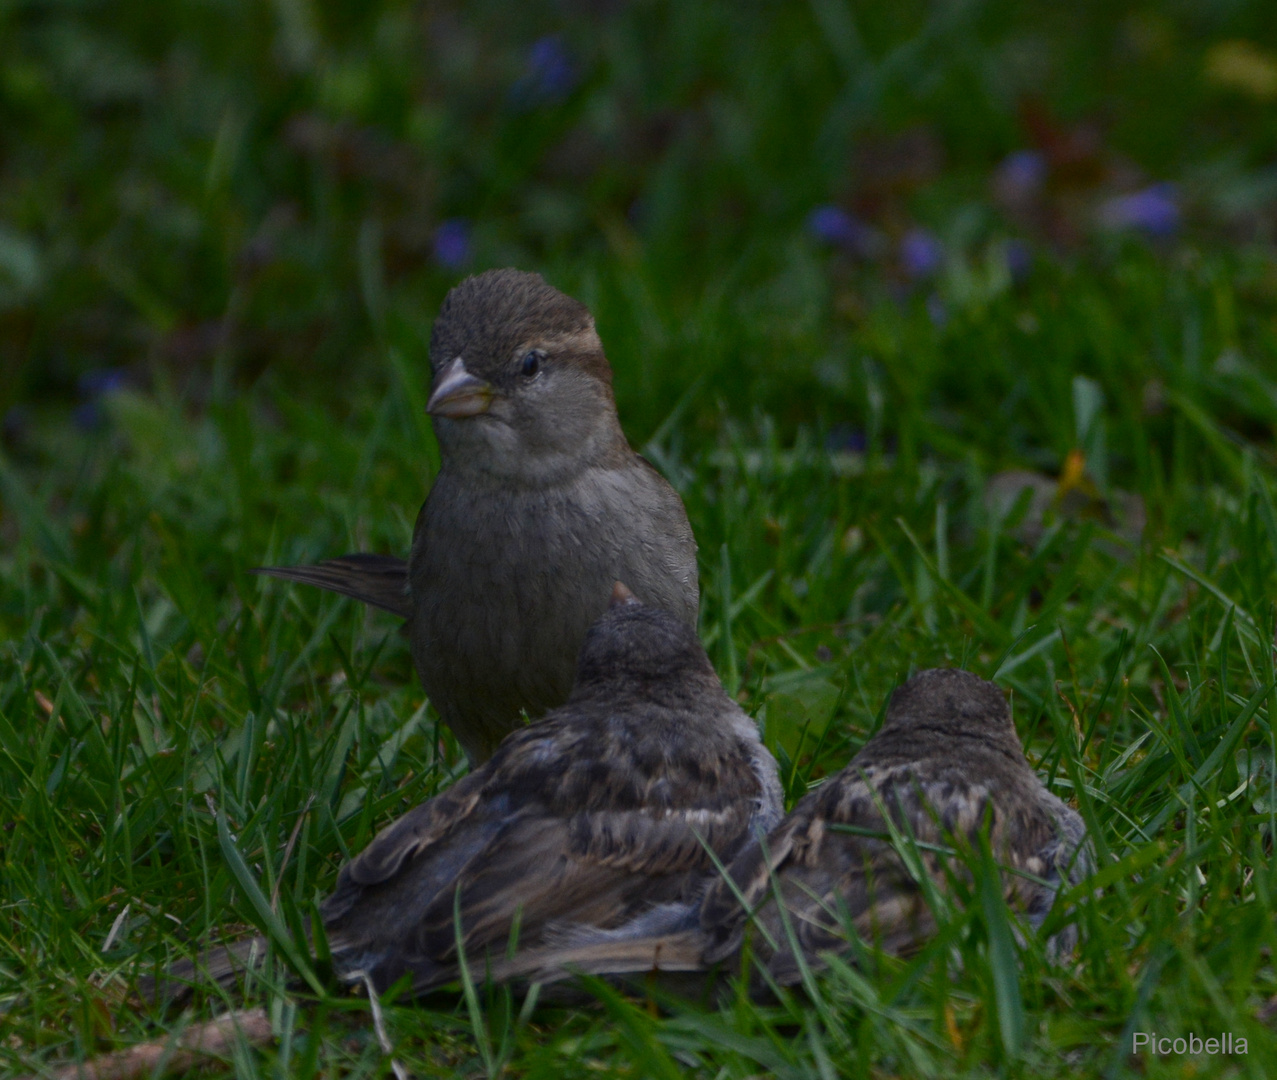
(945, 765)
(539, 506)
(600, 818)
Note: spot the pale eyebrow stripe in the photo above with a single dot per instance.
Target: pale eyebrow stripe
(587, 339)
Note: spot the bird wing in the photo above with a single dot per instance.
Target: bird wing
(378, 580)
(549, 835)
(677, 951)
(863, 854)
(1065, 859)
(419, 830)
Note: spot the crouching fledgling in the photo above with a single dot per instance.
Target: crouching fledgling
(866, 854)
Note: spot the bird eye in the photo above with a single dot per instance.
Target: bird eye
(530, 364)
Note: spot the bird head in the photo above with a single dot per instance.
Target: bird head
(941, 705)
(521, 386)
(636, 648)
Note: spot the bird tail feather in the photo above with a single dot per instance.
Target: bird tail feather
(380, 581)
(222, 966)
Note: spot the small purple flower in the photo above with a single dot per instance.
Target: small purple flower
(936, 310)
(93, 387)
(1020, 176)
(101, 382)
(88, 416)
(845, 437)
(1019, 260)
(550, 74)
(1155, 211)
(921, 254)
(452, 243)
(834, 226)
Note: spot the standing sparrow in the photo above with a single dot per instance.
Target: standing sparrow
(540, 504)
(945, 765)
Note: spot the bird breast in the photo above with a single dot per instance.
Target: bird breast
(505, 582)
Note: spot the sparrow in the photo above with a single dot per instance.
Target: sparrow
(539, 506)
(945, 766)
(604, 817)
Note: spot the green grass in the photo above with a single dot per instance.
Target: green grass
(185, 747)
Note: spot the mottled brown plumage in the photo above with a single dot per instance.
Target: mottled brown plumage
(598, 821)
(539, 505)
(594, 818)
(945, 766)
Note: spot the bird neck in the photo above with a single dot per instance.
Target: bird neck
(683, 695)
(919, 741)
(486, 452)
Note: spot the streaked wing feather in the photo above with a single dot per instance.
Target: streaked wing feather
(419, 830)
(594, 869)
(831, 879)
(683, 951)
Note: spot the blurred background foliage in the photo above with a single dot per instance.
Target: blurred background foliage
(199, 193)
(865, 271)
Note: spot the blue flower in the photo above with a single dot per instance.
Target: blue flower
(88, 416)
(921, 254)
(845, 437)
(550, 74)
(1155, 211)
(1019, 259)
(452, 243)
(835, 226)
(1020, 176)
(101, 382)
(93, 387)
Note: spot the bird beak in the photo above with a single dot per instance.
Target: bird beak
(457, 393)
(621, 596)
